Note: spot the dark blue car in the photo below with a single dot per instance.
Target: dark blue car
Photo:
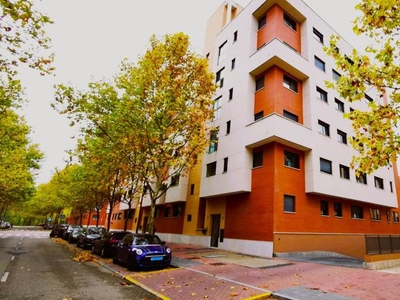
(138, 251)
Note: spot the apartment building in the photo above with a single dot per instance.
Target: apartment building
(279, 178)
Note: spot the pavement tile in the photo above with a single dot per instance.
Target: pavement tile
(208, 273)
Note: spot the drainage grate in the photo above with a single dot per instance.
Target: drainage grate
(217, 264)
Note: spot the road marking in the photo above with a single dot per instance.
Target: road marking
(4, 278)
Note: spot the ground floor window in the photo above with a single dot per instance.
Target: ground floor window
(289, 203)
(357, 212)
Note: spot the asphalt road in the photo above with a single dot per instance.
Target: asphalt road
(34, 267)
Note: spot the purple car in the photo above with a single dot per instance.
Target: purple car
(138, 251)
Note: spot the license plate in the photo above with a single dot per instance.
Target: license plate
(156, 258)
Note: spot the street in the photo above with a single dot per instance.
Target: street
(33, 266)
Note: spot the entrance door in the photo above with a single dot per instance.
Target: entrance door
(145, 224)
(215, 224)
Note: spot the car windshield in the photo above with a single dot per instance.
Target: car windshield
(147, 240)
(95, 230)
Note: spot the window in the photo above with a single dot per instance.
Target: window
(318, 36)
(219, 78)
(388, 215)
(235, 36)
(320, 64)
(257, 159)
(391, 186)
(176, 211)
(290, 116)
(341, 137)
(211, 169)
(292, 160)
(289, 22)
(339, 105)
(228, 127)
(395, 217)
(214, 134)
(222, 52)
(321, 94)
(335, 75)
(225, 165)
(192, 189)
(344, 172)
(262, 22)
(351, 109)
(233, 64)
(325, 165)
(369, 99)
(289, 203)
(356, 212)
(337, 209)
(362, 178)
(375, 214)
(259, 83)
(378, 182)
(189, 218)
(290, 83)
(167, 212)
(217, 108)
(258, 115)
(231, 94)
(324, 208)
(95, 217)
(175, 180)
(323, 128)
(119, 216)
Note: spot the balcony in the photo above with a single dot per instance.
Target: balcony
(277, 53)
(276, 128)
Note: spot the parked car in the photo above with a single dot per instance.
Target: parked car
(105, 246)
(58, 230)
(73, 236)
(5, 225)
(68, 231)
(88, 235)
(142, 251)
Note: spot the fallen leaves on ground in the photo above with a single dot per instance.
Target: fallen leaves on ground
(81, 254)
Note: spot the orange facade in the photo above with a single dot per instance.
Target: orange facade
(275, 28)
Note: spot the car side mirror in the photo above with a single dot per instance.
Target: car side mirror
(162, 242)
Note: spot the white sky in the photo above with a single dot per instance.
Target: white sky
(91, 37)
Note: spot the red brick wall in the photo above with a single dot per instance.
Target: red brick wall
(275, 98)
(275, 28)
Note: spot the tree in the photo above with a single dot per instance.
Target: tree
(378, 69)
(24, 42)
(19, 158)
(158, 109)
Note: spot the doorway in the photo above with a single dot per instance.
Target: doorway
(215, 227)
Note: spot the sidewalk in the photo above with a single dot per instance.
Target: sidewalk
(208, 273)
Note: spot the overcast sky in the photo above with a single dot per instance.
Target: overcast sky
(91, 37)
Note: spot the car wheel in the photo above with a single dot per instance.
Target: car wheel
(93, 250)
(115, 260)
(51, 234)
(102, 253)
(131, 264)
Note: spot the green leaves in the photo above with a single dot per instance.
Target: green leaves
(378, 72)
